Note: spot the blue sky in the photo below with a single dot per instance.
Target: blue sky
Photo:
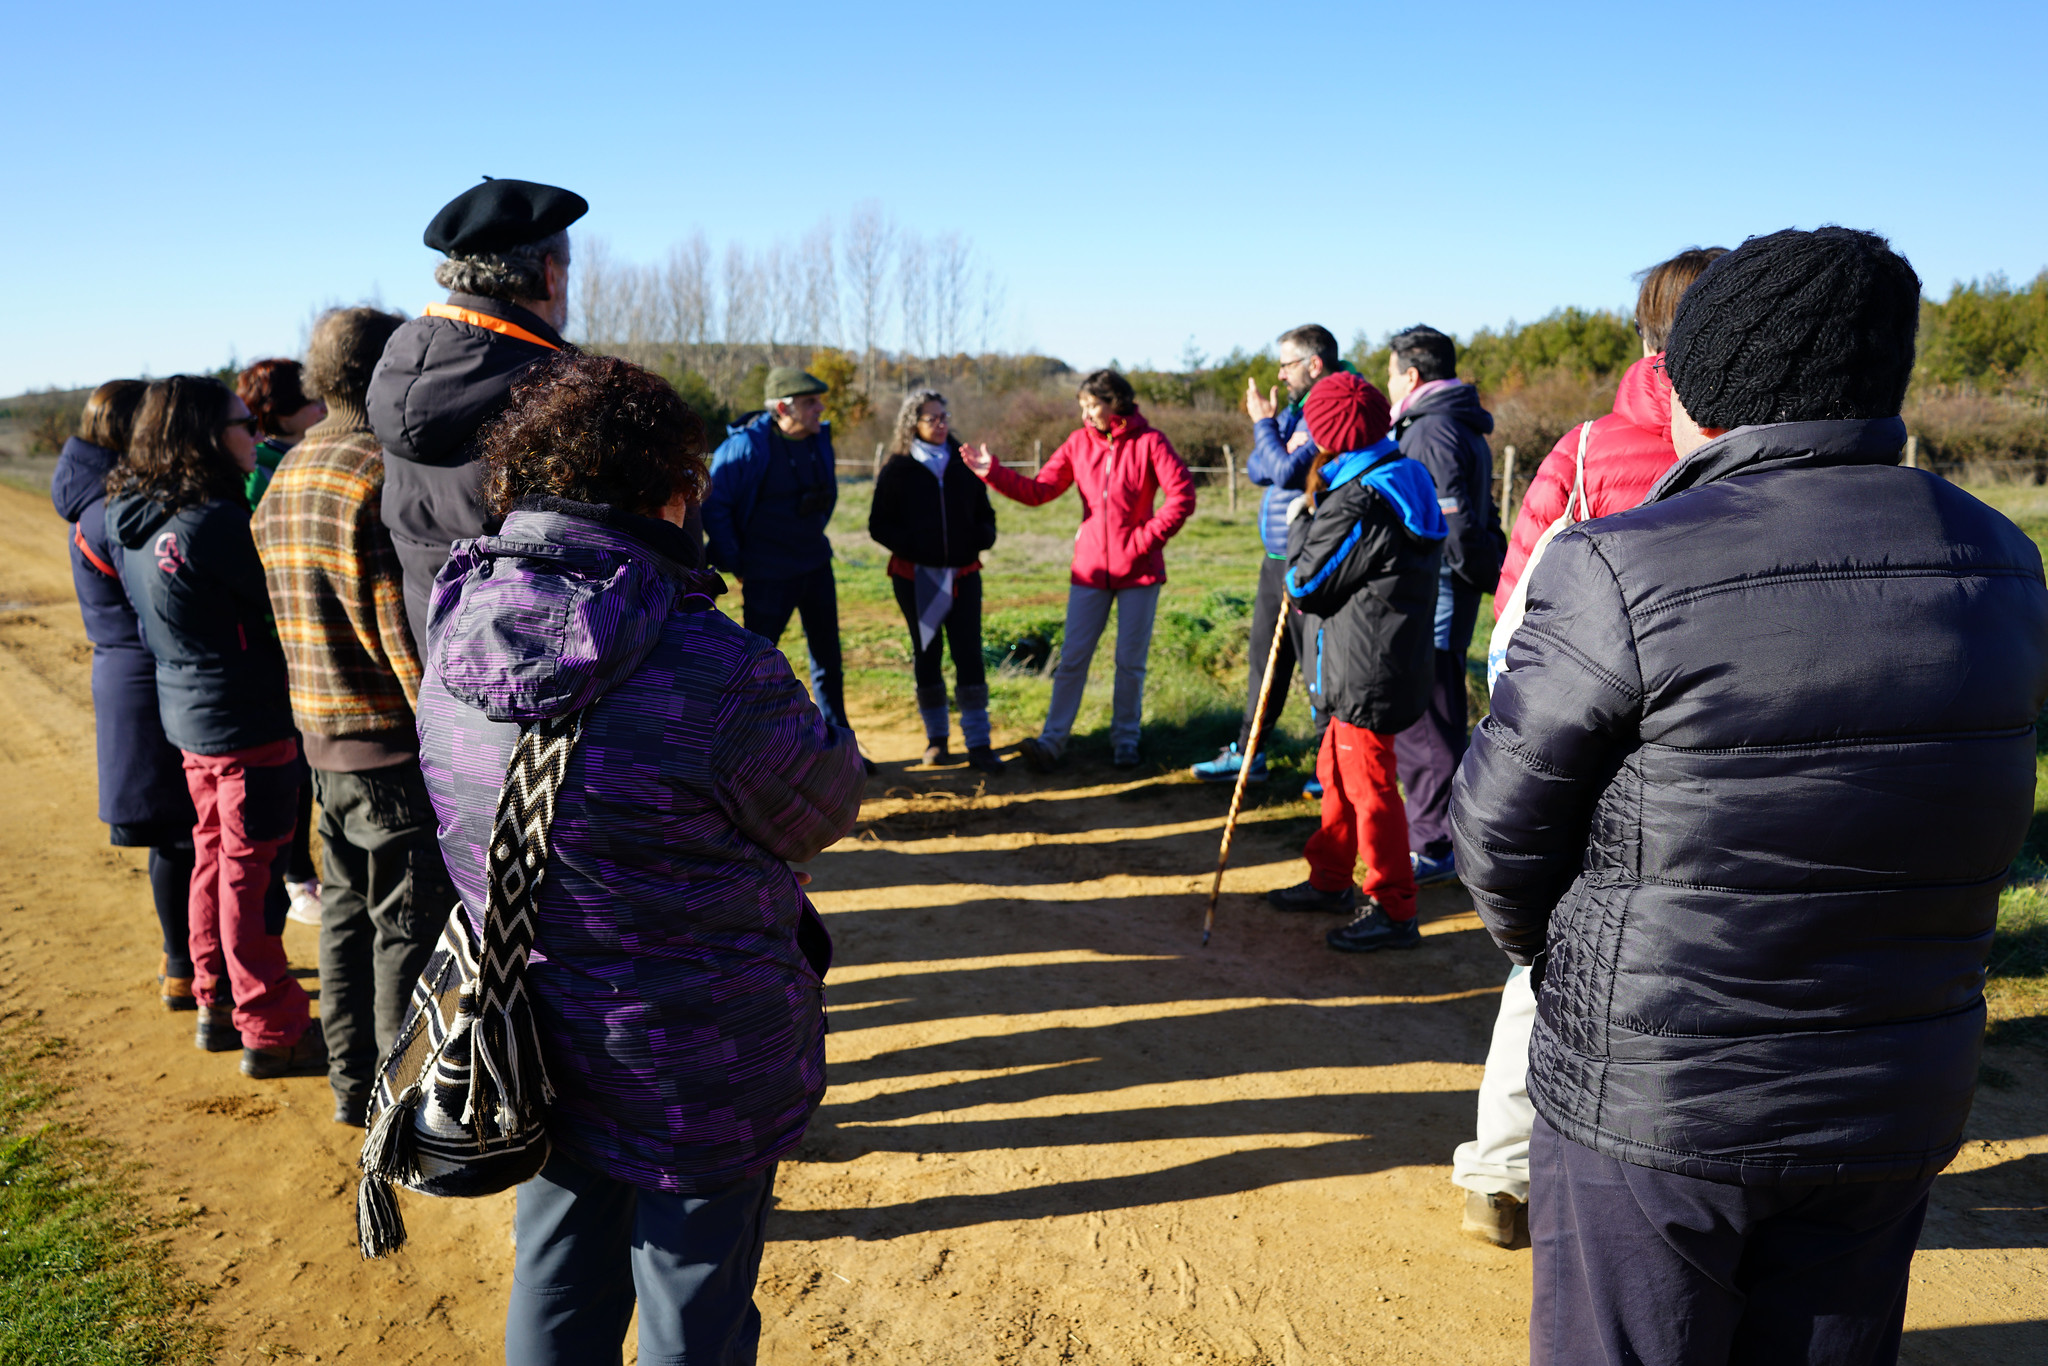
(182, 183)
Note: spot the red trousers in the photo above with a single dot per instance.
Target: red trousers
(1362, 815)
(247, 802)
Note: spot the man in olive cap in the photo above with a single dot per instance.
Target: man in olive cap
(773, 488)
(450, 370)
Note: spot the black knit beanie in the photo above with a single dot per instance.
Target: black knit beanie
(1796, 327)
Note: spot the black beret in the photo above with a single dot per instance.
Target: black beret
(501, 214)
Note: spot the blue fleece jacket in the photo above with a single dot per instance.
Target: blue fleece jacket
(755, 518)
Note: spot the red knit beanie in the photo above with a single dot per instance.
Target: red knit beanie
(1346, 413)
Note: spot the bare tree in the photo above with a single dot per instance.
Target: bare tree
(989, 315)
(686, 289)
(914, 294)
(865, 250)
(952, 280)
(745, 318)
(593, 290)
(818, 313)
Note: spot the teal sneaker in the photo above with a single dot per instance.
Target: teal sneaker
(1223, 768)
(1312, 790)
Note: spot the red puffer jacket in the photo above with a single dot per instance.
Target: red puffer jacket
(1628, 452)
(1121, 541)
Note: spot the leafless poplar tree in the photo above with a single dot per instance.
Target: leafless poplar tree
(952, 282)
(818, 313)
(914, 294)
(866, 250)
(689, 305)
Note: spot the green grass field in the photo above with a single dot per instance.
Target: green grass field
(83, 1279)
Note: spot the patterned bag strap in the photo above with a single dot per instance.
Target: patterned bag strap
(509, 1078)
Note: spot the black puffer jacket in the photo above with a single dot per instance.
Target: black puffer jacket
(204, 610)
(438, 382)
(1446, 430)
(913, 522)
(1749, 789)
(1363, 569)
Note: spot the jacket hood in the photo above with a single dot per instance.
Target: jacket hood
(1405, 485)
(564, 603)
(1786, 446)
(439, 380)
(1644, 396)
(80, 479)
(1460, 402)
(757, 422)
(133, 518)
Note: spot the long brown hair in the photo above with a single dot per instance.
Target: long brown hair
(175, 453)
(109, 415)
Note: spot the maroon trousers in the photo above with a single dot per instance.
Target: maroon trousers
(247, 802)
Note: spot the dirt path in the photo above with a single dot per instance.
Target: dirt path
(1057, 1132)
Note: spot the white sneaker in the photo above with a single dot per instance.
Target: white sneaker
(305, 902)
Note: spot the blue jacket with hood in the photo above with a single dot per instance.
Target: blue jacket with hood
(755, 520)
(1363, 570)
(1446, 430)
(142, 775)
(1281, 472)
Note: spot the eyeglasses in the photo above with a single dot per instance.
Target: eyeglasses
(1287, 365)
(929, 420)
(249, 424)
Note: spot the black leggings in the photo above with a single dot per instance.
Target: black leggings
(170, 882)
(961, 633)
(300, 867)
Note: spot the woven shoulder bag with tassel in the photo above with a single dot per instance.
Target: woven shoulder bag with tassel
(460, 1103)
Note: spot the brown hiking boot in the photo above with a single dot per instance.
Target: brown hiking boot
(217, 1032)
(1500, 1219)
(306, 1058)
(174, 992)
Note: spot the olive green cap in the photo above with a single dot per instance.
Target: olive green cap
(786, 381)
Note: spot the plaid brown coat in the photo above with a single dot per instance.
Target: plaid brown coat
(334, 584)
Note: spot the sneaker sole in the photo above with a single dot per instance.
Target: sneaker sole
(1414, 943)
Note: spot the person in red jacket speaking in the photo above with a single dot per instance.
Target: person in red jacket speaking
(1122, 466)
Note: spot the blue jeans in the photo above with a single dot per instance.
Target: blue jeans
(1087, 614)
(765, 610)
(589, 1246)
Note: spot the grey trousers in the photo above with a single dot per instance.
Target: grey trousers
(384, 898)
(1087, 614)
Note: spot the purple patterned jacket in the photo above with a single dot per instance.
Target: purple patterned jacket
(682, 1025)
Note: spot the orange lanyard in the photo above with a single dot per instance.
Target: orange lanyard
(486, 322)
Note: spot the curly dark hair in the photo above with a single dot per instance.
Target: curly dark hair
(175, 453)
(594, 429)
(273, 389)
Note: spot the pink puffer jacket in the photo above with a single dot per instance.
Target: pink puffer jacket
(1122, 540)
(1628, 452)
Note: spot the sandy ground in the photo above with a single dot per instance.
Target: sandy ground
(1058, 1131)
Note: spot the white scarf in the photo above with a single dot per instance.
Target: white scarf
(931, 457)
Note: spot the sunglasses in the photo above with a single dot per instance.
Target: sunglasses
(248, 424)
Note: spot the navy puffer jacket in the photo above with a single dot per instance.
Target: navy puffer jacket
(204, 609)
(1747, 796)
(1445, 431)
(142, 775)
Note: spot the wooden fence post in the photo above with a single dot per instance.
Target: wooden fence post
(878, 460)
(1230, 475)
(1912, 452)
(1507, 484)
(1037, 459)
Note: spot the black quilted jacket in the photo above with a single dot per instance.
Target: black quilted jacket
(1746, 798)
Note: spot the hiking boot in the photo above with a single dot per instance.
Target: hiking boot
(217, 1032)
(174, 992)
(1498, 1218)
(935, 753)
(305, 898)
(1431, 871)
(1223, 768)
(1306, 896)
(1126, 756)
(1312, 790)
(306, 1058)
(984, 758)
(1038, 756)
(1373, 929)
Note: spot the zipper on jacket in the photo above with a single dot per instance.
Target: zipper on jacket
(1319, 660)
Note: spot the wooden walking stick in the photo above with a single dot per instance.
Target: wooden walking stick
(1244, 769)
